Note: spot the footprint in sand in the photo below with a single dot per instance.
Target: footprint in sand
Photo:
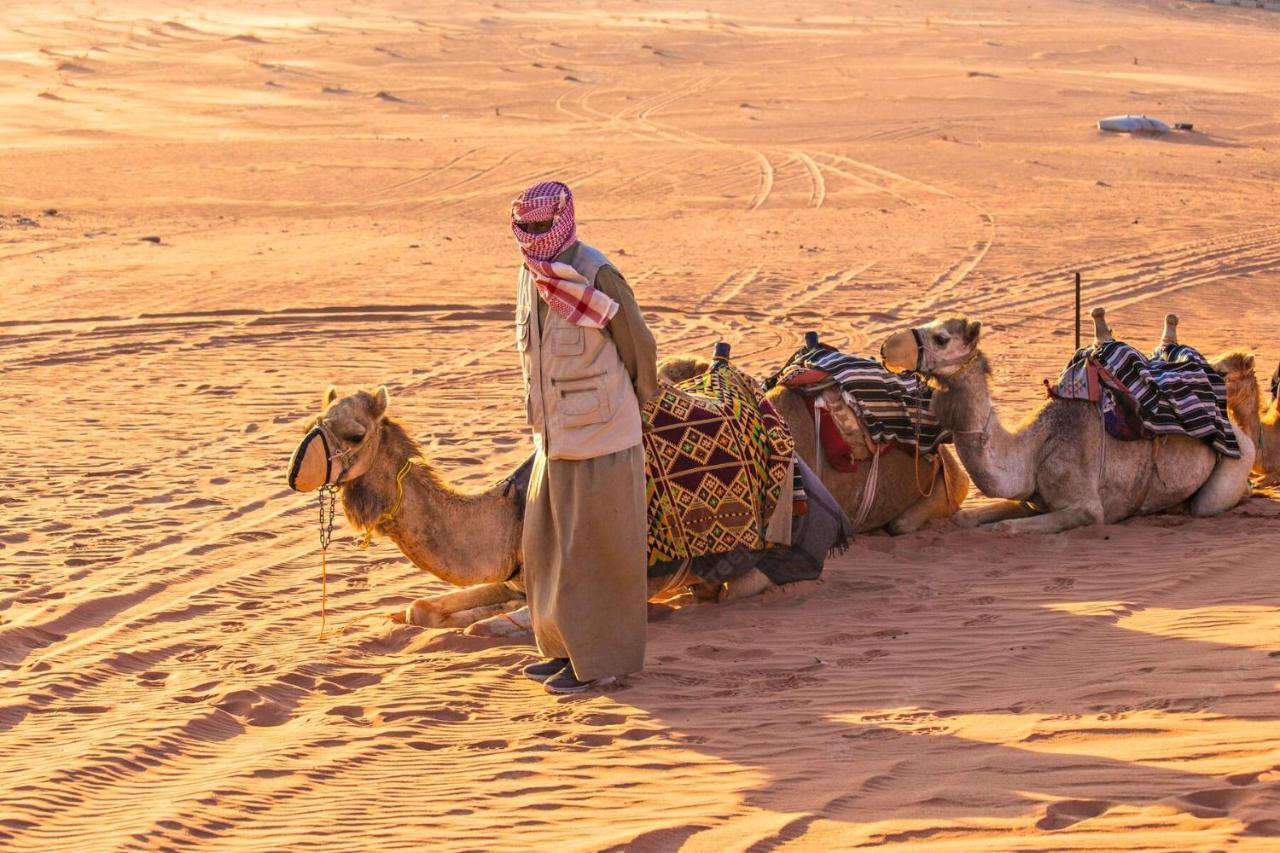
(496, 743)
(1266, 828)
(338, 685)
(1070, 812)
(195, 654)
(252, 709)
(1213, 802)
(1059, 585)
(707, 652)
(346, 711)
(425, 745)
(270, 774)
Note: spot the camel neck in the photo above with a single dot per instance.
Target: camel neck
(995, 458)
(1247, 409)
(460, 537)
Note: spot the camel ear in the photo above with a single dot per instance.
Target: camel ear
(380, 401)
(972, 331)
(330, 395)
(1248, 362)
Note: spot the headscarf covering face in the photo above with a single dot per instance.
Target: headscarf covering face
(565, 290)
(550, 201)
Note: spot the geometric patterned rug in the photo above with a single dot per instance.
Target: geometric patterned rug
(717, 460)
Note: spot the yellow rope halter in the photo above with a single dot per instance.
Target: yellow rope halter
(390, 512)
(386, 516)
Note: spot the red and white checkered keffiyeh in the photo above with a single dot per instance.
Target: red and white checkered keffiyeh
(563, 288)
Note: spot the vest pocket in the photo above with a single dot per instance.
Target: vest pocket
(582, 402)
(522, 329)
(568, 342)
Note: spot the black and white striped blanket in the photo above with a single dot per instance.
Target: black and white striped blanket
(891, 406)
(1174, 392)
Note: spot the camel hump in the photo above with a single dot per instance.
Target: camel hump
(1101, 331)
(1170, 335)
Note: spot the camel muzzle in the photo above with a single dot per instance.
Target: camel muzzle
(310, 467)
(903, 351)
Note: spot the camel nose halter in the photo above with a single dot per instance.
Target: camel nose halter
(328, 500)
(965, 361)
(337, 452)
(919, 336)
(333, 453)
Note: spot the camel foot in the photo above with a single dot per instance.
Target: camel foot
(752, 583)
(517, 623)
(1000, 511)
(1050, 522)
(423, 613)
(707, 592)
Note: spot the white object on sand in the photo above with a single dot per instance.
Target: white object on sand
(1133, 124)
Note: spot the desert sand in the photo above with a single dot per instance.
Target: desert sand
(327, 187)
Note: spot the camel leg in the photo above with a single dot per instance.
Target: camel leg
(1269, 481)
(941, 501)
(493, 621)
(435, 612)
(752, 583)
(920, 513)
(998, 511)
(1052, 522)
(1229, 482)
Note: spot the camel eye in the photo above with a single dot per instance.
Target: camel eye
(940, 340)
(353, 438)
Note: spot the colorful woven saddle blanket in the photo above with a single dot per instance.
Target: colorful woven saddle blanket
(1174, 392)
(718, 459)
(892, 408)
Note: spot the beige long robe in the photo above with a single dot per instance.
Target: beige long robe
(585, 529)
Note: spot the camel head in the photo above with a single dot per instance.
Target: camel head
(939, 349)
(675, 369)
(1237, 367)
(341, 442)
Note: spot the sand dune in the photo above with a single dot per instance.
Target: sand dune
(328, 184)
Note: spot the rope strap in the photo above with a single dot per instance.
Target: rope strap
(391, 511)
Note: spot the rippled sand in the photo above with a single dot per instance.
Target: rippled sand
(328, 186)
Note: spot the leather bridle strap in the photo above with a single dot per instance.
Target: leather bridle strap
(965, 363)
(333, 450)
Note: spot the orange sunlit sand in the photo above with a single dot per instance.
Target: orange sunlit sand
(211, 211)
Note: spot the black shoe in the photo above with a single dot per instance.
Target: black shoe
(567, 682)
(546, 669)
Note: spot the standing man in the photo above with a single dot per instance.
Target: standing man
(589, 364)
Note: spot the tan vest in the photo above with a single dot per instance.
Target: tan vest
(578, 394)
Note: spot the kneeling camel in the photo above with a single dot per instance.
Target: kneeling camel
(1059, 468)
(1259, 419)
(468, 539)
